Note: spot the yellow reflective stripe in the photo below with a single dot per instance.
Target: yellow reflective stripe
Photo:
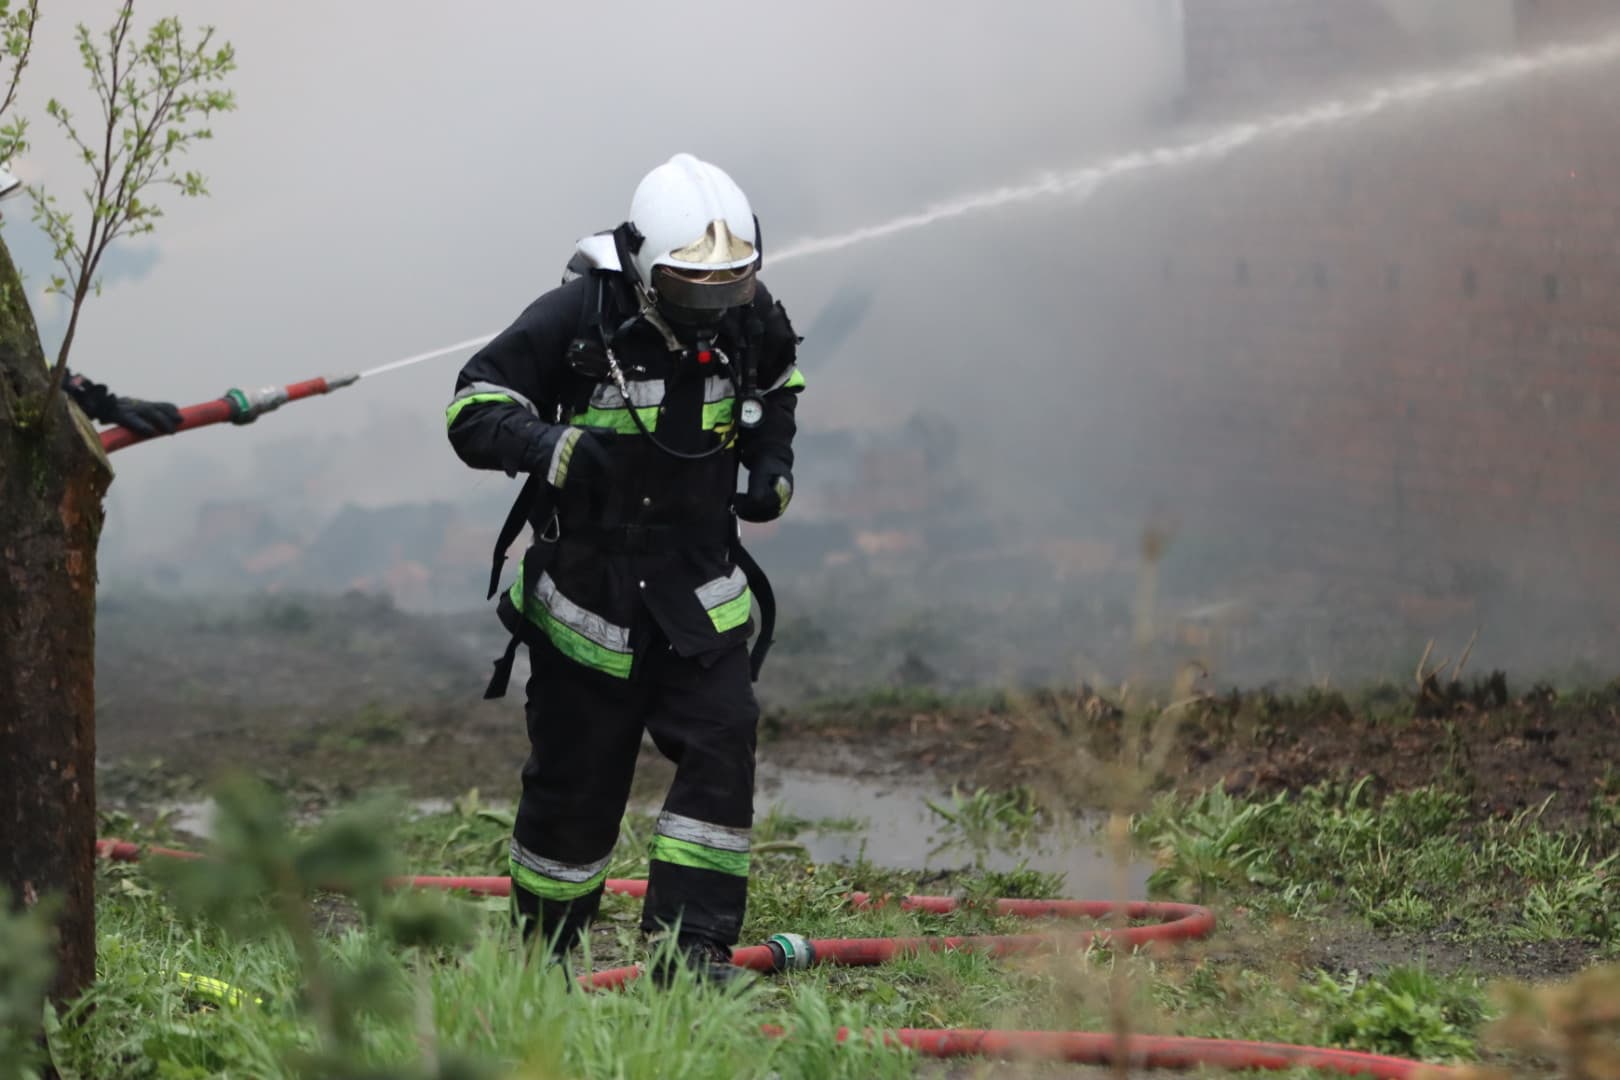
(581, 649)
(561, 454)
(551, 888)
(795, 381)
(455, 407)
(685, 853)
(717, 414)
(568, 641)
(618, 420)
(732, 613)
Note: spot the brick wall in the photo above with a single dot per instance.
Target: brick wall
(1390, 352)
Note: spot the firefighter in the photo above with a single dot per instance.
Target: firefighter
(144, 418)
(632, 395)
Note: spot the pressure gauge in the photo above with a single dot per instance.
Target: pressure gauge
(752, 412)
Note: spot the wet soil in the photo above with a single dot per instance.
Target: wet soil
(351, 692)
(1505, 753)
(332, 698)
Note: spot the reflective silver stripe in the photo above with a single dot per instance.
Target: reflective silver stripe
(492, 388)
(792, 370)
(717, 388)
(719, 837)
(649, 392)
(576, 618)
(645, 393)
(557, 871)
(722, 590)
(557, 471)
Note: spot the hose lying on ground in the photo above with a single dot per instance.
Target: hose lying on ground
(1176, 922)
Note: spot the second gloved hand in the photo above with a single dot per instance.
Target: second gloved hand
(770, 489)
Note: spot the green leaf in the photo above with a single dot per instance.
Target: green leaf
(147, 88)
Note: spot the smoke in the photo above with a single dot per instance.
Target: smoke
(1480, 26)
(999, 403)
(373, 202)
(1264, 355)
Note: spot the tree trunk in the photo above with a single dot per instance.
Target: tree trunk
(52, 480)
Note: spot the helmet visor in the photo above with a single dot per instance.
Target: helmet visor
(704, 290)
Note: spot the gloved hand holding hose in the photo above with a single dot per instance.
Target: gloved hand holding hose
(144, 418)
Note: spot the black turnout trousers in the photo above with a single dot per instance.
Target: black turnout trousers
(585, 731)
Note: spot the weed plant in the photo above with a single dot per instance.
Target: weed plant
(311, 982)
(1410, 862)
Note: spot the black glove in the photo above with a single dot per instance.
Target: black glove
(770, 489)
(144, 418)
(580, 462)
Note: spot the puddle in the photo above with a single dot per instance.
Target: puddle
(893, 826)
(898, 830)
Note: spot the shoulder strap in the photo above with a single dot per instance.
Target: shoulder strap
(522, 506)
(534, 486)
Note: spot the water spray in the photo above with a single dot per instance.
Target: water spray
(1085, 181)
(394, 365)
(1081, 183)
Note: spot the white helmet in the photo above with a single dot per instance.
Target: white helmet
(698, 237)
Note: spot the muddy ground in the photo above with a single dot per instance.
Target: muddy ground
(333, 697)
(292, 681)
(1506, 751)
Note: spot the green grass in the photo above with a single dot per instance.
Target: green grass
(415, 985)
(487, 1009)
(1407, 863)
(986, 820)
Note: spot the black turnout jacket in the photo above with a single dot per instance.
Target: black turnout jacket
(642, 548)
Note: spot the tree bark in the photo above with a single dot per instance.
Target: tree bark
(53, 476)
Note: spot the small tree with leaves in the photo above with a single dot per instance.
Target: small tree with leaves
(155, 92)
(156, 98)
(16, 45)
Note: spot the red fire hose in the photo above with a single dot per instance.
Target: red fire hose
(787, 951)
(236, 406)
